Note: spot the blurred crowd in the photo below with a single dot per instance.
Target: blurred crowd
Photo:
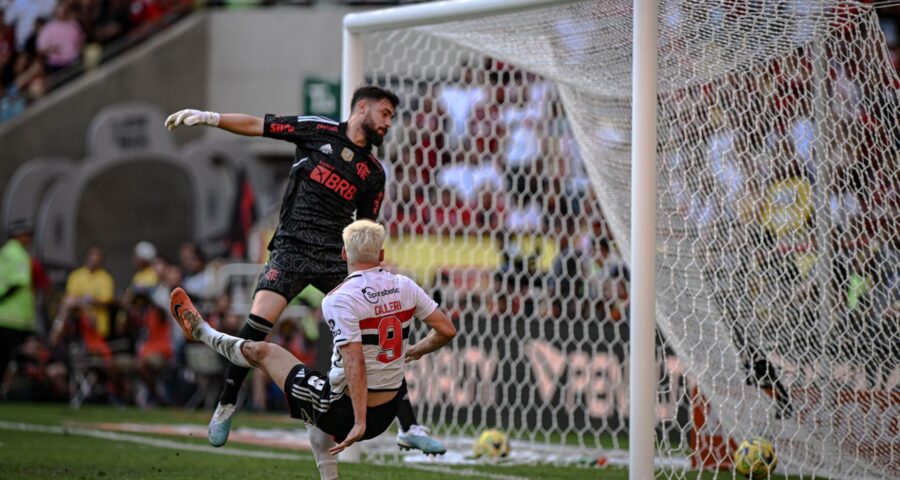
(85, 344)
(803, 173)
(40, 38)
(491, 153)
(44, 43)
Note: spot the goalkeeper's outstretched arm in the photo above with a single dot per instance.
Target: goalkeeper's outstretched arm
(238, 123)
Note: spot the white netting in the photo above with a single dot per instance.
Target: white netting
(778, 243)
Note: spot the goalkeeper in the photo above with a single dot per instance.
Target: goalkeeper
(334, 176)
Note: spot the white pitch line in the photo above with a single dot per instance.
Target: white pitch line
(153, 442)
(161, 443)
(468, 472)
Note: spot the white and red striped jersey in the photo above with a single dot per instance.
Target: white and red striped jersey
(374, 307)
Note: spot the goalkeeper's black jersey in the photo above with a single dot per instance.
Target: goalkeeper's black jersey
(331, 178)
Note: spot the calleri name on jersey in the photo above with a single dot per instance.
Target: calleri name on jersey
(331, 178)
(374, 307)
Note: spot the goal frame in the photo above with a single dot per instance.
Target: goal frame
(642, 262)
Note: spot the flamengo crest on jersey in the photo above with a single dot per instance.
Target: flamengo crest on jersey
(374, 307)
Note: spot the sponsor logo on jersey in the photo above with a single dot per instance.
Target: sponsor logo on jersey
(325, 174)
(362, 170)
(347, 154)
(326, 149)
(281, 128)
(332, 325)
(330, 128)
(372, 296)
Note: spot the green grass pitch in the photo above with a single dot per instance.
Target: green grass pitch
(35, 444)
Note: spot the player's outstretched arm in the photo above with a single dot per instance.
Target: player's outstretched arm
(357, 383)
(442, 331)
(239, 123)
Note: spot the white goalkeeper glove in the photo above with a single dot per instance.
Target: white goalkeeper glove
(192, 117)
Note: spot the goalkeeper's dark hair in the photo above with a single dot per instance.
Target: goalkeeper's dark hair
(371, 92)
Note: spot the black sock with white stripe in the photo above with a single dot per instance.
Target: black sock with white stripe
(405, 414)
(257, 329)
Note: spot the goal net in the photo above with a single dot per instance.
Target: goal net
(777, 235)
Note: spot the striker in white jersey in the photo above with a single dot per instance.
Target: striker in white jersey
(374, 307)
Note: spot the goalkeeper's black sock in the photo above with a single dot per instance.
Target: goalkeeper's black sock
(256, 329)
(405, 414)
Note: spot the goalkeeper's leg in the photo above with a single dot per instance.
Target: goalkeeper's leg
(266, 305)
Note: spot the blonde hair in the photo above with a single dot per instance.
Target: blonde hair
(363, 240)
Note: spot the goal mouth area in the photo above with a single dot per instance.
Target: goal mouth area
(774, 237)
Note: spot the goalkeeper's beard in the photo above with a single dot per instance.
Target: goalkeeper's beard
(372, 135)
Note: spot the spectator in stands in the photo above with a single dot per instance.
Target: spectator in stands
(111, 21)
(146, 276)
(412, 212)
(427, 135)
(171, 277)
(146, 11)
(860, 283)
(569, 270)
(887, 290)
(43, 296)
(17, 309)
(23, 16)
(199, 281)
(523, 149)
(450, 214)
(222, 318)
(469, 174)
(524, 216)
(34, 375)
(607, 267)
(30, 79)
(75, 337)
(7, 53)
(60, 40)
(459, 101)
(91, 287)
(154, 346)
(489, 208)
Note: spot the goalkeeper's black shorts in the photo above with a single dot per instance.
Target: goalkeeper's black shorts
(288, 275)
(308, 395)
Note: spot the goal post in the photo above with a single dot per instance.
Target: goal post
(642, 374)
(614, 306)
(356, 24)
